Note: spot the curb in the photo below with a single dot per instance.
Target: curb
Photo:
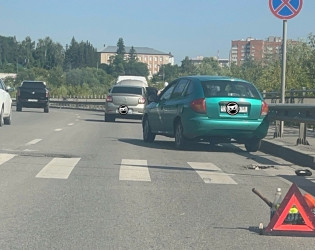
(288, 154)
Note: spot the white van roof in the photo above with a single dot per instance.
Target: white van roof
(131, 82)
(139, 78)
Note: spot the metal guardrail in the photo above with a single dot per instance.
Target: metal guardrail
(301, 113)
(88, 104)
(82, 104)
(292, 96)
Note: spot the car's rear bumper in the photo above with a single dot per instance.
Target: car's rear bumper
(237, 129)
(33, 104)
(112, 109)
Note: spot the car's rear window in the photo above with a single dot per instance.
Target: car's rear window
(127, 90)
(223, 88)
(33, 85)
(131, 82)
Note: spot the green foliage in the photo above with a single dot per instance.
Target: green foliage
(80, 55)
(121, 47)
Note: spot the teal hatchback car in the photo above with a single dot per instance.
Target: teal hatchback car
(208, 108)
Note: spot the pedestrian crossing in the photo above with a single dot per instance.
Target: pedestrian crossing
(134, 170)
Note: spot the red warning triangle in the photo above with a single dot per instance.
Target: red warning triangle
(292, 198)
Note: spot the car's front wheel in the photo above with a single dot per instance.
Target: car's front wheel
(148, 136)
(180, 140)
(253, 145)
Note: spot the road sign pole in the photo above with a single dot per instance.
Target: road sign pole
(283, 68)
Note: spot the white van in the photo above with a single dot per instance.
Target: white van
(139, 81)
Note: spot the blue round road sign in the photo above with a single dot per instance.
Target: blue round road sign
(285, 9)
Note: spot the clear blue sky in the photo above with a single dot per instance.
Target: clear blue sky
(183, 27)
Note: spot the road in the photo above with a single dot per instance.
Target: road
(68, 180)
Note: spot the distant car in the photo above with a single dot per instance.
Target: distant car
(126, 101)
(5, 104)
(209, 108)
(32, 94)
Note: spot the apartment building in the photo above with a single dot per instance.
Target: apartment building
(242, 50)
(153, 58)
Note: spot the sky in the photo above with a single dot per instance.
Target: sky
(183, 27)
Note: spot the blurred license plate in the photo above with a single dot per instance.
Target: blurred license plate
(32, 100)
(242, 109)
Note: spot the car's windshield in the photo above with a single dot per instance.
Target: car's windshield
(223, 88)
(127, 90)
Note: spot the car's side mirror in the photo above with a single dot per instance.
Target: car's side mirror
(9, 89)
(152, 98)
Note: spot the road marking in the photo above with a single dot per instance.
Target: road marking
(311, 179)
(134, 170)
(58, 168)
(29, 150)
(210, 173)
(70, 124)
(6, 157)
(33, 142)
(58, 129)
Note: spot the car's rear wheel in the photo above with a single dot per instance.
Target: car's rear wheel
(109, 118)
(18, 107)
(46, 109)
(180, 140)
(1, 118)
(253, 145)
(148, 136)
(8, 120)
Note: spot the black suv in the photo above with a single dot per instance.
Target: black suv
(32, 94)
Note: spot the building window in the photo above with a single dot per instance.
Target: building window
(150, 58)
(145, 58)
(161, 59)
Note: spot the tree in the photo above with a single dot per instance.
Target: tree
(187, 67)
(121, 47)
(208, 66)
(132, 55)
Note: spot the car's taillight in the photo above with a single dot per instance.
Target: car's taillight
(264, 108)
(199, 105)
(18, 92)
(47, 94)
(109, 99)
(141, 100)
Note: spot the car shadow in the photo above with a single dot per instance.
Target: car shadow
(192, 146)
(204, 147)
(127, 121)
(93, 120)
(30, 111)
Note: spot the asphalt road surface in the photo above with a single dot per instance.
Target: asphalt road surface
(68, 180)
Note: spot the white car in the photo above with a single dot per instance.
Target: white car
(5, 104)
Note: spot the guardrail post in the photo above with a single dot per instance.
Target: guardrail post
(302, 135)
(291, 95)
(277, 132)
